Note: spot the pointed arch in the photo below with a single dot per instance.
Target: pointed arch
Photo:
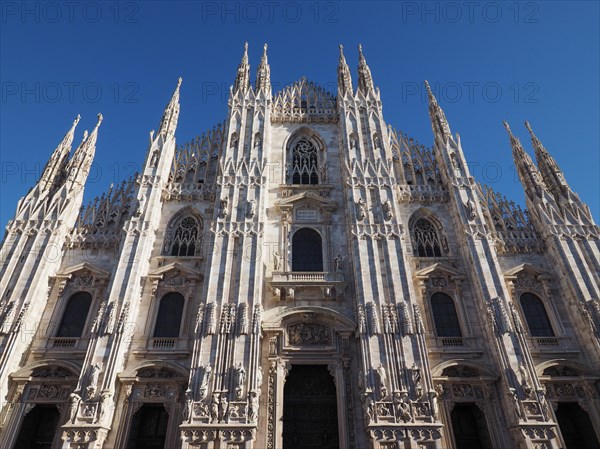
(305, 157)
(427, 235)
(183, 236)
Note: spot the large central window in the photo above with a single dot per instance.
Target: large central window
(307, 251)
(304, 163)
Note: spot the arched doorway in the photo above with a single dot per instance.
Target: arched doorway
(469, 427)
(576, 427)
(149, 427)
(38, 428)
(310, 409)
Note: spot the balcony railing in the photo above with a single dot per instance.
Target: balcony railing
(550, 343)
(308, 277)
(64, 342)
(451, 341)
(163, 343)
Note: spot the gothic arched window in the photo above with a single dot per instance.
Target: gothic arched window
(307, 251)
(75, 315)
(183, 237)
(536, 316)
(304, 168)
(444, 316)
(426, 239)
(168, 319)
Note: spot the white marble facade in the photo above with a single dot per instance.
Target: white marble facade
(303, 230)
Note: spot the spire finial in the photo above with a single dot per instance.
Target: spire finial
(242, 79)
(344, 78)
(439, 123)
(365, 80)
(263, 73)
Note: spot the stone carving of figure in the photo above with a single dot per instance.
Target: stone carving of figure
(338, 263)
(401, 408)
(361, 380)
(239, 378)
(362, 320)
(470, 209)
(276, 261)
(223, 408)
(251, 208)
(214, 408)
(154, 160)
(361, 209)
(206, 372)
(252, 406)
(524, 379)
(104, 404)
(259, 377)
(92, 380)
(224, 208)
(74, 401)
(387, 210)
(376, 141)
(187, 408)
(369, 408)
(416, 377)
(257, 143)
(382, 381)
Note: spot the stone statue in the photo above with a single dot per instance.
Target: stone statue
(259, 377)
(252, 406)
(74, 400)
(382, 381)
(92, 380)
(338, 263)
(361, 209)
(387, 210)
(276, 261)
(214, 408)
(223, 408)
(187, 407)
(104, 404)
(224, 208)
(369, 408)
(239, 379)
(251, 209)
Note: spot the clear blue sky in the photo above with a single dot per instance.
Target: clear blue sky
(487, 61)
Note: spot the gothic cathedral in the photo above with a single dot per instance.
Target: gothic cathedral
(301, 276)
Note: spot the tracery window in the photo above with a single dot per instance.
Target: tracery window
(426, 239)
(444, 316)
(304, 163)
(183, 237)
(75, 315)
(536, 316)
(168, 319)
(307, 250)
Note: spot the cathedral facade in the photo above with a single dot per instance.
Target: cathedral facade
(300, 276)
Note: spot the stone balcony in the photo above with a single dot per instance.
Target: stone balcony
(308, 285)
(455, 345)
(562, 345)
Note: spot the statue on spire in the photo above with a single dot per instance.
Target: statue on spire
(263, 73)
(168, 123)
(439, 124)
(365, 80)
(344, 78)
(242, 79)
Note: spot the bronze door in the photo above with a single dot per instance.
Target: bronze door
(310, 409)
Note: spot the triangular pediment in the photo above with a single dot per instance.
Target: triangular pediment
(524, 268)
(98, 273)
(175, 267)
(306, 198)
(439, 268)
